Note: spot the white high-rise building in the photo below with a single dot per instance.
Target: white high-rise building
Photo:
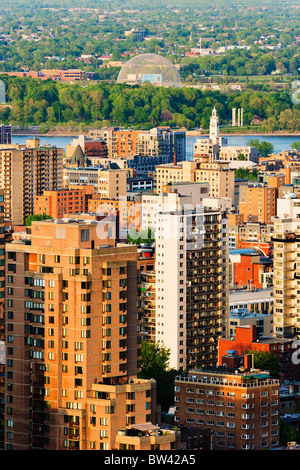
(191, 285)
(286, 277)
(286, 271)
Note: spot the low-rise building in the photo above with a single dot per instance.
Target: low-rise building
(146, 437)
(243, 317)
(240, 408)
(247, 339)
(255, 300)
(247, 266)
(58, 203)
(218, 174)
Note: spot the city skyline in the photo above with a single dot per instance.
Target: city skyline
(149, 229)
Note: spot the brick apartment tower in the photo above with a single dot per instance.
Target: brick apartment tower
(73, 340)
(26, 173)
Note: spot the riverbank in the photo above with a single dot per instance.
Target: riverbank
(27, 132)
(279, 142)
(190, 133)
(224, 134)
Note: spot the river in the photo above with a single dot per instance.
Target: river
(280, 143)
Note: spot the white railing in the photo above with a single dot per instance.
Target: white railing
(226, 382)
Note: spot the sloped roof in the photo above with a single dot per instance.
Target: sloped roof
(78, 157)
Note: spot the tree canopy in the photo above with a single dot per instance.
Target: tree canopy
(47, 102)
(295, 145)
(136, 237)
(155, 365)
(264, 148)
(32, 218)
(266, 361)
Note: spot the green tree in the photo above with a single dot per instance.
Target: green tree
(287, 433)
(264, 148)
(295, 145)
(154, 357)
(266, 361)
(245, 173)
(32, 218)
(155, 365)
(136, 238)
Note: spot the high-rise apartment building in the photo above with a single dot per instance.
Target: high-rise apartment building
(73, 340)
(112, 182)
(2, 264)
(26, 173)
(191, 285)
(5, 134)
(258, 203)
(123, 143)
(162, 141)
(240, 408)
(286, 277)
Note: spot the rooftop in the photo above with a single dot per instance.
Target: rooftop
(243, 251)
(246, 296)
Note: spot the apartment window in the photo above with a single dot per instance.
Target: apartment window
(85, 235)
(85, 333)
(74, 272)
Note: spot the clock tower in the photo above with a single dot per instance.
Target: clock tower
(214, 127)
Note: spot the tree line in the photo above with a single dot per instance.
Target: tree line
(47, 102)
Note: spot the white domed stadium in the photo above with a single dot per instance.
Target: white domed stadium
(151, 68)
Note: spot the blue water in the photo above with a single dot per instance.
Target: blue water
(280, 143)
(57, 141)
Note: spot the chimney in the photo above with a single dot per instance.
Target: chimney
(174, 159)
(248, 361)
